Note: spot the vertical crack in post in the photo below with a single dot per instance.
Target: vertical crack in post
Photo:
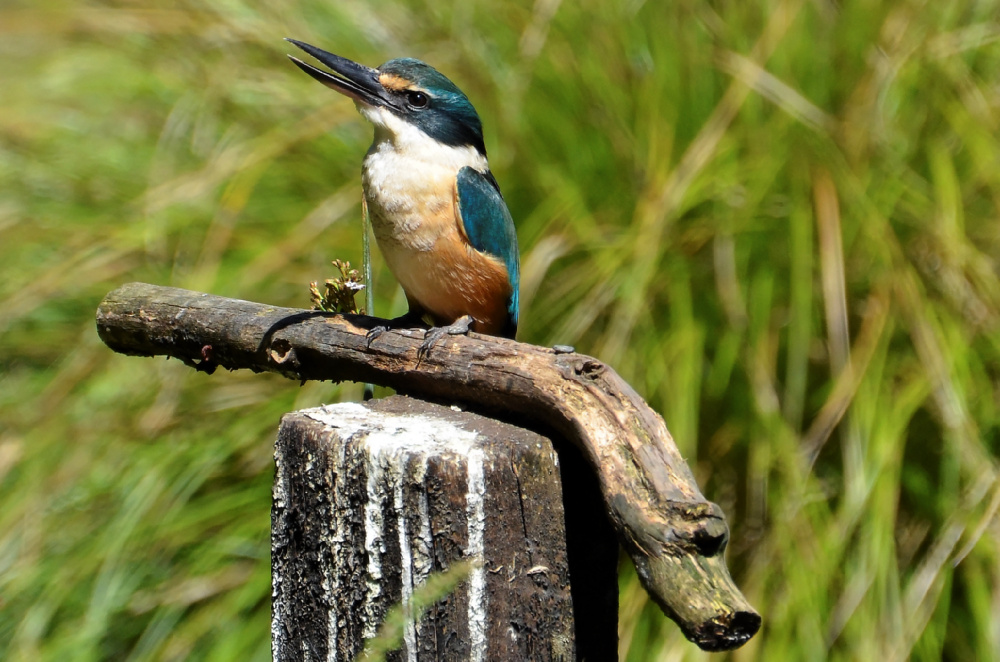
(524, 517)
(476, 518)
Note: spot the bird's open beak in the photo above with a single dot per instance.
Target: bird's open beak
(355, 80)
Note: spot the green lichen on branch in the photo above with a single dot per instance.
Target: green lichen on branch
(338, 296)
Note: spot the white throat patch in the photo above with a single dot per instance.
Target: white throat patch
(393, 134)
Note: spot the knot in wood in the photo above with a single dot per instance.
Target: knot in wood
(588, 368)
(709, 536)
(281, 352)
(706, 528)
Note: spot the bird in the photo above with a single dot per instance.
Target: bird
(436, 210)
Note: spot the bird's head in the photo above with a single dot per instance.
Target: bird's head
(400, 95)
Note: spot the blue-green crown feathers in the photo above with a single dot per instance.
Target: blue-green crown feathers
(449, 117)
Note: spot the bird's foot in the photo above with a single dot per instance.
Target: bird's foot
(407, 321)
(459, 327)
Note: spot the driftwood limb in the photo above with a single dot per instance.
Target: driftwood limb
(675, 537)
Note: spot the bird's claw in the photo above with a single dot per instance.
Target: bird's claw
(373, 334)
(459, 327)
(409, 320)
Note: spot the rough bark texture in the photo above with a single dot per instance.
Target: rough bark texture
(370, 499)
(676, 538)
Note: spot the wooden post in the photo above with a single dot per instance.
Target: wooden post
(370, 499)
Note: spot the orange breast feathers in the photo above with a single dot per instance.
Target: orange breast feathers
(441, 273)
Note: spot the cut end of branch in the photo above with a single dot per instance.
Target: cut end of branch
(698, 594)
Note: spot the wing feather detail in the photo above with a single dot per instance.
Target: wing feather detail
(488, 226)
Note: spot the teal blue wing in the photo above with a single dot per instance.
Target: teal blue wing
(490, 229)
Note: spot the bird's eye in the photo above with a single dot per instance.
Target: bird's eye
(417, 99)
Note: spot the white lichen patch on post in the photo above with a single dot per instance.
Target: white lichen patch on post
(476, 518)
(392, 445)
(406, 572)
(377, 472)
(422, 433)
(421, 549)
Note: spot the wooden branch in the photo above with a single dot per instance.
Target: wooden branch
(675, 537)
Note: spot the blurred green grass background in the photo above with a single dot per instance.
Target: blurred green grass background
(780, 221)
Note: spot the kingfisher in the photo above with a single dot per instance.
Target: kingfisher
(436, 210)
